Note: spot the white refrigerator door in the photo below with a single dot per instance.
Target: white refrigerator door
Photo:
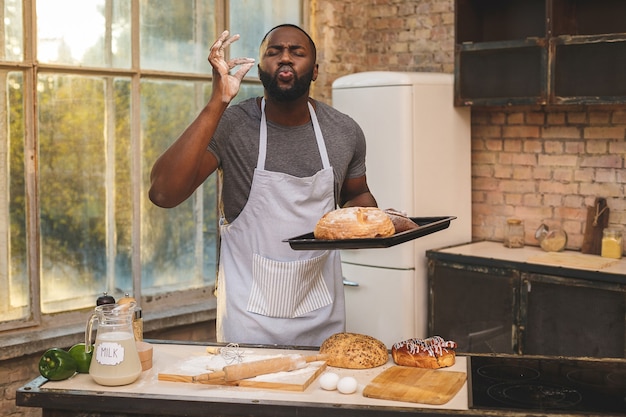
(385, 115)
(382, 305)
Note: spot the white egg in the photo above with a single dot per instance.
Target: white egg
(328, 381)
(347, 385)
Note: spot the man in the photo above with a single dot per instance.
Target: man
(284, 160)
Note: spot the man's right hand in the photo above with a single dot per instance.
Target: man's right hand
(225, 84)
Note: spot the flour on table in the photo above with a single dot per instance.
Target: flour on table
(202, 364)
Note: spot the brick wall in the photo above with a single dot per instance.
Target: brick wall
(378, 35)
(543, 165)
(546, 166)
(14, 373)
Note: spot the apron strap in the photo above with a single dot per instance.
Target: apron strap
(260, 163)
(319, 137)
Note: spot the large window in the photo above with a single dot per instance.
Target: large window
(92, 92)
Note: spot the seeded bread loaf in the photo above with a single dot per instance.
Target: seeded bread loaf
(354, 351)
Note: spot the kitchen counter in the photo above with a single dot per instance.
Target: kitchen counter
(80, 396)
(575, 264)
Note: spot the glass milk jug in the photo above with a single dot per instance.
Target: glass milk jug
(115, 360)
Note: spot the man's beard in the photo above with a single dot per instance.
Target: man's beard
(300, 86)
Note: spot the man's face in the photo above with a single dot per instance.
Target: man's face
(287, 64)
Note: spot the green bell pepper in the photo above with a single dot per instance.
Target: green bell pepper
(82, 358)
(57, 364)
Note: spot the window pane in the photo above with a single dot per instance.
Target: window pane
(179, 244)
(14, 284)
(84, 191)
(12, 28)
(93, 33)
(175, 35)
(253, 18)
(248, 91)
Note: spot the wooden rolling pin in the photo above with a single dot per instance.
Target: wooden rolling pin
(248, 369)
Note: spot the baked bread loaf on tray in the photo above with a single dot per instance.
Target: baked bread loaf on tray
(432, 353)
(354, 223)
(401, 222)
(354, 351)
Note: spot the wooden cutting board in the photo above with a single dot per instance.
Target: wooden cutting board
(597, 220)
(416, 385)
(572, 260)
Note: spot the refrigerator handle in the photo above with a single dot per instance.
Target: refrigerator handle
(348, 283)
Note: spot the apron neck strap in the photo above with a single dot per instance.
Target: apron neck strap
(321, 145)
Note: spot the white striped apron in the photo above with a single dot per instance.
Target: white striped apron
(267, 292)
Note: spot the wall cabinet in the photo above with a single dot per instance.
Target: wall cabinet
(540, 52)
(492, 306)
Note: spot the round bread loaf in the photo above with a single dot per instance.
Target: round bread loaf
(432, 353)
(401, 222)
(354, 223)
(354, 351)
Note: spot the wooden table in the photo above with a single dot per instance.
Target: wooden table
(81, 396)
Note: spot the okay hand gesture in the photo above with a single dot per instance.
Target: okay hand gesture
(224, 83)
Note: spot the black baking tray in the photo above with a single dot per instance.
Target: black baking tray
(427, 226)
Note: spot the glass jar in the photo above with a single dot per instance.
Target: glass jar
(514, 233)
(551, 240)
(612, 245)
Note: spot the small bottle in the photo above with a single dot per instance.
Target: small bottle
(514, 233)
(612, 245)
(138, 324)
(137, 317)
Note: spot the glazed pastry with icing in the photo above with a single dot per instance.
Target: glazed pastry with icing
(432, 353)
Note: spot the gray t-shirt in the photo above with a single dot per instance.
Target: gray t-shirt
(291, 150)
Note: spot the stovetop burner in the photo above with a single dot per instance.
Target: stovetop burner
(535, 396)
(507, 372)
(550, 384)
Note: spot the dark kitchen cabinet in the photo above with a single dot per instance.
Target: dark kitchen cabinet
(540, 52)
(491, 305)
(569, 317)
(474, 307)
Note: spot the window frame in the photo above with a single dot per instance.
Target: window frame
(199, 303)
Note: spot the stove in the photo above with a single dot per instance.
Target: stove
(554, 385)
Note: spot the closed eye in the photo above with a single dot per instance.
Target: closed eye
(296, 50)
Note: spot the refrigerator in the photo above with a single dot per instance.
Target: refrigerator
(418, 161)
